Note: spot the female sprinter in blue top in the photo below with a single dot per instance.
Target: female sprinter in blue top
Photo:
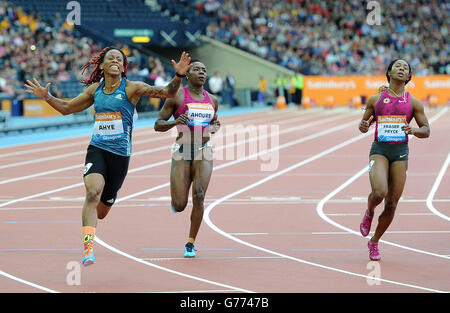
(114, 98)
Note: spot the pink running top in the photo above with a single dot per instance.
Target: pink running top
(200, 112)
(391, 113)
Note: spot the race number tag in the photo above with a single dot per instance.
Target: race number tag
(200, 114)
(108, 126)
(390, 128)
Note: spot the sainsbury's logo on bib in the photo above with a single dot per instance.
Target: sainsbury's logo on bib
(108, 126)
(389, 128)
(392, 119)
(200, 114)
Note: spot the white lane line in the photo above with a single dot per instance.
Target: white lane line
(435, 188)
(129, 256)
(320, 205)
(193, 291)
(344, 232)
(98, 240)
(320, 212)
(279, 173)
(214, 258)
(143, 131)
(252, 156)
(161, 148)
(23, 281)
(104, 244)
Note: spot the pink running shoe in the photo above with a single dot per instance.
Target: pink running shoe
(364, 227)
(374, 254)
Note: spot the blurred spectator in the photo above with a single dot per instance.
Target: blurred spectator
(161, 80)
(230, 84)
(330, 37)
(262, 89)
(53, 52)
(216, 84)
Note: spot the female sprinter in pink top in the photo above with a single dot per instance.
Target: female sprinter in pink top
(391, 110)
(194, 111)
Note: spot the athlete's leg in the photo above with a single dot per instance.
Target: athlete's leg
(201, 172)
(379, 181)
(180, 182)
(378, 175)
(397, 179)
(117, 172)
(94, 184)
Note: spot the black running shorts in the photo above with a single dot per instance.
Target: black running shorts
(111, 166)
(392, 151)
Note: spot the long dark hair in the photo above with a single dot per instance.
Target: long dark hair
(390, 68)
(97, 73)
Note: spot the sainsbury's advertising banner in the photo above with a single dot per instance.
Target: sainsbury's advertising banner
(327, 90)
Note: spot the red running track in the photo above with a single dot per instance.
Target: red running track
(279, 221)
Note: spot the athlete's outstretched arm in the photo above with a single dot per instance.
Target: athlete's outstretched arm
(169, 91)
(419, 115)
(77, 104)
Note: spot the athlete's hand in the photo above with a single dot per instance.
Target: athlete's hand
(408, 129)
(214, 126)
(182, 119)
(364, 125)
(36, 89)
(183, 65)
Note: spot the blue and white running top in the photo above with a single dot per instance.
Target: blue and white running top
(114, 119)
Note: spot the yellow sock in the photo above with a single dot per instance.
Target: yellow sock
(191, 240)
(88, 235)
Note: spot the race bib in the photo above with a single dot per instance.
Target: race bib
(200, 114)
(390, 128)
(108, 126)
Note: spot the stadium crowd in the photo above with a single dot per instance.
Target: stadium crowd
(52, 52)
(322, 37)
(327, 37)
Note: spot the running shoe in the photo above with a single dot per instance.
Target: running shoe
(374, 254)
(189, 250)
(364, 227)
(88, 255)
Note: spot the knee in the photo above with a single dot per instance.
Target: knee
(390, 205)
(178, 205)
(378, 195)
(93, 195)
(199, 195)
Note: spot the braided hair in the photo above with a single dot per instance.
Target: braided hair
(97, 73)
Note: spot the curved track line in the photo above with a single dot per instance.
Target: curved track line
(20, 280)
(129, 256)
(218, 167)
(161, 148)
(319, 210)
(262, 181)
(320, 205)
(122, 199)
(435, 188)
